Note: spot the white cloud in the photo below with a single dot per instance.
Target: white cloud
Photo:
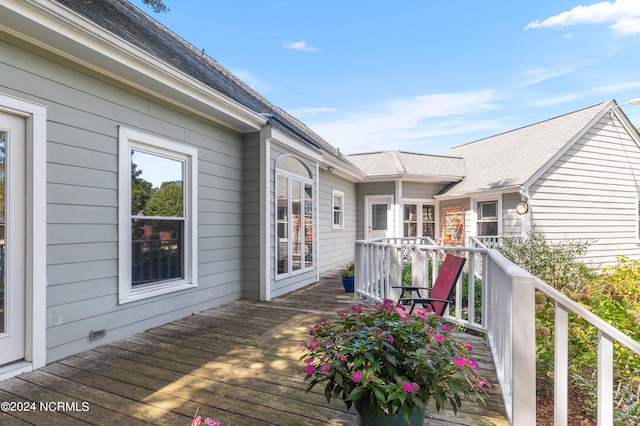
(538, 75)
(309, 112)
(607, 92)
(300, 45)
(623, 15)
(408, 121)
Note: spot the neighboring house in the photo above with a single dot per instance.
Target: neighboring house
(143, 182)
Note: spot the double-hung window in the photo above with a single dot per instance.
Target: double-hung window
(338, 209)
(487, 218)
(157, 216)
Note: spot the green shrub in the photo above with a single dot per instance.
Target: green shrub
(613, 296)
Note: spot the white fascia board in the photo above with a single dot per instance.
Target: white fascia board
(414, 178)
(282, 139)
(481, 194)
(50, 26)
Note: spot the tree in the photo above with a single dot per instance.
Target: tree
(141, 191)
(157, 6)
(166, 201)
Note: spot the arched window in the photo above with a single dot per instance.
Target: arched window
(294, 216)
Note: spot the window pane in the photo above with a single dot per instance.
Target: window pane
(282, 199)
(487, 228)
(488, 211)
(157, 248)
(156, 185)
(379, 217)
(308, 225)
(294, 166)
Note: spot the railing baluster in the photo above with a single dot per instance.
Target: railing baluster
(605, 379)
(561, 368)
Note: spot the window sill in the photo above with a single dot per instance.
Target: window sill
(155, 290)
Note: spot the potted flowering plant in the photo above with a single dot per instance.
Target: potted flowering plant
(390, 364)
(348, 275)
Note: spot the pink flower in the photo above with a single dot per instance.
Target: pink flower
(196, 421)
(390, 338)
(310, 369)
(308, 361)
(313, 345)
(403, 318)
(325, 368)
(460, 362)
(446, 328)
(341, 356)
(439, 337)
(357, 375)
(356, 308)
(210, 422)
(410, 387)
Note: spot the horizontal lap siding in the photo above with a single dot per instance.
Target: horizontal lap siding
(82, 171)
(336, 246)
(251, 215)
(591, 194)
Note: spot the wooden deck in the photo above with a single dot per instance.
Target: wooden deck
(238, 364)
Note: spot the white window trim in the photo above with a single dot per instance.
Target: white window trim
(476, 214)
(419, 202)
(129, 138)
(304, 181)
(335, 193)
(36, 229)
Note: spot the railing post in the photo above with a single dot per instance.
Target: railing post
(524, 351)
(605, 379)
(561, 375)
(395, 276)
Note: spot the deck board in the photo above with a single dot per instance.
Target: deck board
(237, 363)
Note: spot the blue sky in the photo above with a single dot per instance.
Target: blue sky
(417, 75)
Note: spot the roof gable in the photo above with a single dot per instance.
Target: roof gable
(510, 159)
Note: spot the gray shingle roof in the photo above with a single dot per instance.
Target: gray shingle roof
(399, 163)
(129, 23)
(510, 159)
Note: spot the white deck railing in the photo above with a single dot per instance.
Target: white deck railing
(506, 314)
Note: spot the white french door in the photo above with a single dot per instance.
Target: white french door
(379, 217)
(12, 237)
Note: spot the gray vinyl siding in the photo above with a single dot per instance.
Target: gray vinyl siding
(82, 231)
(251, 217)
(336, 246)
(591, 193)
(420, 190)
(511, 220)
(285, 284)
(363, 190)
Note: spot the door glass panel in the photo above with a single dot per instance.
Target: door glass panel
(3, 140)
(282, 200)
(296, 213)
(379, 217)
(308, 225)
(410, 220)
(428, 221)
